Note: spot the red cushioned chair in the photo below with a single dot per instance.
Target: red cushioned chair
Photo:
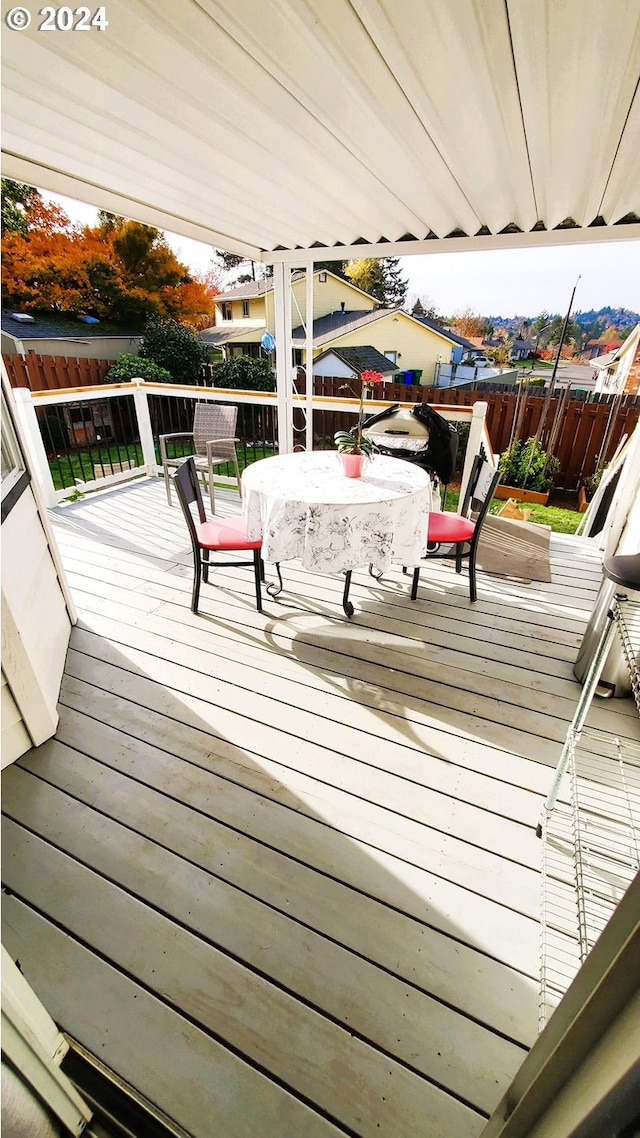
(228, 534)
(463, 529)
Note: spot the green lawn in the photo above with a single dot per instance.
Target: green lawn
(79, 465)
(561, 521)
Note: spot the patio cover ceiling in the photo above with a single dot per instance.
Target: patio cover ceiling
(394, 126)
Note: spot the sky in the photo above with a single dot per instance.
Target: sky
(507, 282)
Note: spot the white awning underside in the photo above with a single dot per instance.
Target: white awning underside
(262, 125)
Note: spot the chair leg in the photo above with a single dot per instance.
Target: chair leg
(257, 567)
(459, 557)
(205, 566)
(473, 593)
(237, 469)
(197, 577)
(414, 583)
(167, 483)
(212, 496)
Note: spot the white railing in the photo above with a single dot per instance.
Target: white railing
(27, 402)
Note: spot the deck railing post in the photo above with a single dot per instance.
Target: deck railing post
(476, 443)
(38, 460)
(141, 401)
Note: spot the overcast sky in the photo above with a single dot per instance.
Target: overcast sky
(500, 283)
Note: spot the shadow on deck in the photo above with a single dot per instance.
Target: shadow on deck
(279, 871)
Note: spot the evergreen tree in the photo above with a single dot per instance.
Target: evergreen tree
(395, 284)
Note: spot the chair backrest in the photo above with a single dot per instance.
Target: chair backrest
(213, 421)
(482, 482)
(188, 491)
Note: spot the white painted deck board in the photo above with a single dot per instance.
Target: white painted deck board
(305, 844)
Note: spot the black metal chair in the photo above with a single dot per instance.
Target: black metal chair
(219, 534)
(462, 530)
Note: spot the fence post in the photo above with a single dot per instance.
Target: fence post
(141, 402)
(38, 460)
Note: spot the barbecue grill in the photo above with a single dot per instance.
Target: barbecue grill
(419, 435)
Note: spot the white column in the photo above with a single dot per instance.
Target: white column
(308, 356)
(141, 402)
(475, 443)
(28, 420)
(284, 358)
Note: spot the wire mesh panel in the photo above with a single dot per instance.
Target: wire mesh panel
(591, 836)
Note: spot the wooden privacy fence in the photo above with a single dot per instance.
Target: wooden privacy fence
(51, 373)
(581, 428)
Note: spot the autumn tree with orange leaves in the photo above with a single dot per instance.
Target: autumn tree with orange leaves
(118, 270)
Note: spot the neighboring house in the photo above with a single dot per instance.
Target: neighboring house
(244, 313)
(52, 335)
(521, 349)
(618, 372)
(343, 317)
(459, 345)
(405, 341)
(349, 363)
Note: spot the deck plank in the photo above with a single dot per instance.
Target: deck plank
(301, 848)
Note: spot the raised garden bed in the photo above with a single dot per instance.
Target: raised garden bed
(536, 497)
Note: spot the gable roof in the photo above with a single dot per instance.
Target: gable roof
(248, 127)
(365, 358)
(337, 324)
(443, 331)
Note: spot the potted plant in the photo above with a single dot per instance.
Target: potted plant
(527, 472)
(353, 446)
(588, 486)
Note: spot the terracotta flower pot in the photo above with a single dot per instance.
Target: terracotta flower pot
(352, 464)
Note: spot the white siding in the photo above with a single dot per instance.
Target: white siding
(15, 737)
(35, 627)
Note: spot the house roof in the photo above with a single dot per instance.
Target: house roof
(443, 331)
(336, 324)
(48, 326)
(249, 290)
(361, 359)
(221, 334)
(247, 126)
(629, 345)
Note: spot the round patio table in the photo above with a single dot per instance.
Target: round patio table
(304, 508)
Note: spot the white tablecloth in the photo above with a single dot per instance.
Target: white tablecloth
(303, 507)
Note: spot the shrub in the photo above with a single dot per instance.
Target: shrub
(244, 372)
(528, 466)
(129, 367)
(175, 347)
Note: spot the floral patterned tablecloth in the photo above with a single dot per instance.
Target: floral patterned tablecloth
(304, 507)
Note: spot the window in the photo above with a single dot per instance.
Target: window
(15, 478)
(393, 356)
(227, 310)
(245, 307)
(322, 277)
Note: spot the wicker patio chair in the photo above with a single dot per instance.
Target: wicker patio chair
(214, 438)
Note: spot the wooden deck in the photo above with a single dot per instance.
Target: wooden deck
(279, 871)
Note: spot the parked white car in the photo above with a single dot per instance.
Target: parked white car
(482, 361)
